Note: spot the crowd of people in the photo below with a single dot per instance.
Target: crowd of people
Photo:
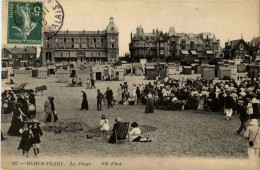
(229, 97)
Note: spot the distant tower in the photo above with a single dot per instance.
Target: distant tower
(112, 41)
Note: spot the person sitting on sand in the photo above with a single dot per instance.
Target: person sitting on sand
(134, 133)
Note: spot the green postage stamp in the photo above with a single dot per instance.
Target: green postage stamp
(24, 22)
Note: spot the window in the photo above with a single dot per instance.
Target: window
(241, 47)
(113, 39)
(147, 38)
(94, 40)
(64, 39)
(183, 44)
(101, 40)
(57, 40)
(112, 45)
(72, 39)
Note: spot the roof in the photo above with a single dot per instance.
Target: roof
(81, 32)
(26, 50)
(255, 42)
(111, 28)
(234, 44)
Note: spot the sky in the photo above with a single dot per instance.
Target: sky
(227, 19)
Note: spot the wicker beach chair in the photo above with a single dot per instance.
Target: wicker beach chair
(121, 132)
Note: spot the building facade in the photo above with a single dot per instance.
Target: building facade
(255, 49)
(19, 57)
(172, 46)
(82, 46)
(237, 49)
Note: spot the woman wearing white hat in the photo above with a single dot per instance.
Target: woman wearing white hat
(253, 135)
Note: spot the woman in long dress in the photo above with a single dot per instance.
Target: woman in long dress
(16, 123)
(84, 104)
(149, 104)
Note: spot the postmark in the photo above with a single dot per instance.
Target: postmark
(53, 17)
(24, 20)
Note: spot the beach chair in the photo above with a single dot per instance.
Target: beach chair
(121, 132)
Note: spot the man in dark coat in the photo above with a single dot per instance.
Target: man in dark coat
(229, 102)
(243, 115)
(109, 96)
(93, 83)
(99, 100)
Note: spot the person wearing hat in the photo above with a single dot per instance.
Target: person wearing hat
(134, 133)
(228, 103)
(104, 125)
(49, 117)
(32, 105)
(112, 138)
(17, 119)
(149, 104)
(255, 105)
(36, 134)
(25, 143)
(84, 104)
(109, 96)
(243, 116)
(99, 99)
(253, 135)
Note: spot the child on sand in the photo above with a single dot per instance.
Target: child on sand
(104, 125)
(25, 143)
(36, 134)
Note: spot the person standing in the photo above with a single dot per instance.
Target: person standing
(109, 96)
(243, 116)
(88, 84)
(17, 119)
(253, 135)
(55, 116)
(99, 100)
(32, 105)
(149, 104)
(48, 112)
(104, 125)
(25, 143)
(80, 82)
(138, 94)
(229, 102)
(84, 104)
(36, 134)
(120, 91)
(93, 83)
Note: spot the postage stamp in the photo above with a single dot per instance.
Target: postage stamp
(24, 22)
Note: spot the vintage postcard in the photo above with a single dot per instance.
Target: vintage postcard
(130, 85)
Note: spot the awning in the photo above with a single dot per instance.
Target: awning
(209, 52)
(193, 52)
(88, 54)
(103, 54)
(83, 45)
(184, 52)
(65, 54)
(73, 54)
(57, 54)
(257, 58)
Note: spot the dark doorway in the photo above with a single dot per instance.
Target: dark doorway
(98, 75)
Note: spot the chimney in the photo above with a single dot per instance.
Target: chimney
(131, 36)
(111, 19)
(98, 32)
(83, 31)
(153, 31)
(67, 31)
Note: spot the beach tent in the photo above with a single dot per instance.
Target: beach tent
(63, 76)
(42, 73)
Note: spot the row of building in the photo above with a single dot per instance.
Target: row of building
(68, 47)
